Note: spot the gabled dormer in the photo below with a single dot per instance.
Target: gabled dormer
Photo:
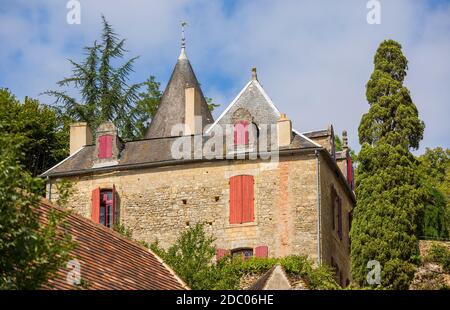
(107, 146)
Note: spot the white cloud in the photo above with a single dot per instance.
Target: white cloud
(313, 57)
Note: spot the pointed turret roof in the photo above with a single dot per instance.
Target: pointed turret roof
(171, 110)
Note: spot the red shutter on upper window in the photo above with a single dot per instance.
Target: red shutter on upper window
(350, 172)
(247, 199)
(262, 251)
(220, 253)
(105, 146)
(95, 211)
(241, 133)
(236, 199)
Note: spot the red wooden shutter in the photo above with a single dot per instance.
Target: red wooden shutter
(262, 251)
(220, 253)
(105, 146)
(114, 205)
(247, 199)
(350, 172)
(95, 212)
(241, 133)
(236, 199)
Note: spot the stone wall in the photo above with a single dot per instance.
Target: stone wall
(160, 203)
(331, 244)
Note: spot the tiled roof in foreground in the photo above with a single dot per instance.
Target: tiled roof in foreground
(109, 261)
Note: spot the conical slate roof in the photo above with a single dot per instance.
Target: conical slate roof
(171, 110)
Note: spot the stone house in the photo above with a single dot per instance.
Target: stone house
(261, 187)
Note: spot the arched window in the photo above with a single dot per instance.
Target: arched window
(241, 133)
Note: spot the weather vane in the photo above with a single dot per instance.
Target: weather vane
(183, 39)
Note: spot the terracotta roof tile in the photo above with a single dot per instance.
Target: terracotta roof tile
(109, 261)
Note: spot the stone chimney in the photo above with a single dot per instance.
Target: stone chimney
(284, 130)
(344, 141)
(192, 111)
(80, 135)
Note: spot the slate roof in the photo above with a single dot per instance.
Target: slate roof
(171, 110)
(140, 152)
(109, 261)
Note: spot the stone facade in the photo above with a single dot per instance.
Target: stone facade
(160, 203)
(334, 248)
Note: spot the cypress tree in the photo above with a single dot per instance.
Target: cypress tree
(389, 196)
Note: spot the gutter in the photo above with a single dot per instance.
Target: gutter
(319, 215)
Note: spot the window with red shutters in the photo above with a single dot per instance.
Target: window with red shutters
(241, 133)
(104, 206)
(244, 253)
(105, 146)
(241, 199)
(95, 212)
(221, 253)
(262, 251)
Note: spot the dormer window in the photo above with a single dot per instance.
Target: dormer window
(105, 144)
(241, 136)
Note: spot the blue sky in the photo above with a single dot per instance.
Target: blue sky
(313, 57)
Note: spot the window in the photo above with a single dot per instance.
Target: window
(241, 133)
(105, 146)
(103, 206)
(244, 253)
(241, 199)
(106, 208)
(336, 211)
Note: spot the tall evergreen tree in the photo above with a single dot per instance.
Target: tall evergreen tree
(388, 190)
(104, 91)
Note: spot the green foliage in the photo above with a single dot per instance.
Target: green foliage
(435, 173)
(191, 258)
(338, 143)
(30, 253)
(124, 231)
(441, 255)
(44, 137)
(388, 185)
(65, 191)
(103, 88)
(146, 106)
(434, 217)
(392, 117)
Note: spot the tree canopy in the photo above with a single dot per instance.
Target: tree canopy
(388, 185)
(43, 131)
